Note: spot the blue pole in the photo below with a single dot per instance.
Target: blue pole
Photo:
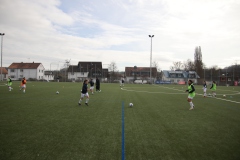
(123, 150)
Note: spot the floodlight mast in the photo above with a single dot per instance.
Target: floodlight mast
(1, 34)
(151, 36)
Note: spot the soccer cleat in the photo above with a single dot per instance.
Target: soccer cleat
(191, 108)
(86, 104)
(79, 104)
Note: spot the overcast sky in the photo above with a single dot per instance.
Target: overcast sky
(51, 31)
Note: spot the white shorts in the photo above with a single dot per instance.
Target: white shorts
(189, 97)
(204, 90)
(24, 86)
(84, 95)
(92, 87)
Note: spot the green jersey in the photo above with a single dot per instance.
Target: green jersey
(191, 90)
(9, 81)
(214, 87)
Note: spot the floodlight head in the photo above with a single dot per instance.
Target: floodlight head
(149, 35)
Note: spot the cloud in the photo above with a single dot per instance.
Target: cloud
(52, 31)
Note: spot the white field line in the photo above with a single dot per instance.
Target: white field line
(215, 97)
(226, 100)
(236, 92)
(129, 90)
(182, 93)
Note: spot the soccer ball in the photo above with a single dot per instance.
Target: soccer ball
(130, 104)
(57, 92)
(224, 95)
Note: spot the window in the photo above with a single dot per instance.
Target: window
(72, 73)
(191, 75)
(12, 76)
(82, 73)
(39, 70)
(21, 70)
(21, 76)
(12, 70)
(172, 75)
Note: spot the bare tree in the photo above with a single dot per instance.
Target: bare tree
(176, 66)
(198, 61)
(67, 63)
(188, 65)
(112, 67)
(159, 72)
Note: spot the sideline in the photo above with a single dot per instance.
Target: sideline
(147, 91)
(236, 93)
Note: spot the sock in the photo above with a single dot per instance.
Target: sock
(191, 104)
(80, 100)
(87, 100)
(24, 91)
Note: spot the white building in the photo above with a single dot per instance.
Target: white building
(85, 70)
(179, 77)
(28, 70)
(74, 73)
(48, 75)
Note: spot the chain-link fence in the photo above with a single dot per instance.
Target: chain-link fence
(223, 77)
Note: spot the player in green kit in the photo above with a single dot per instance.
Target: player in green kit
(214, 88)
(191, 94)
(9, 83)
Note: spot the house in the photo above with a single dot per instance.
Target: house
(48, 75)
(28, 70)
(85, 70)
(4, 73)
(140, 73)
(179, 77)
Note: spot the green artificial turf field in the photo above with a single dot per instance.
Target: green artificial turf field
(41, 124)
